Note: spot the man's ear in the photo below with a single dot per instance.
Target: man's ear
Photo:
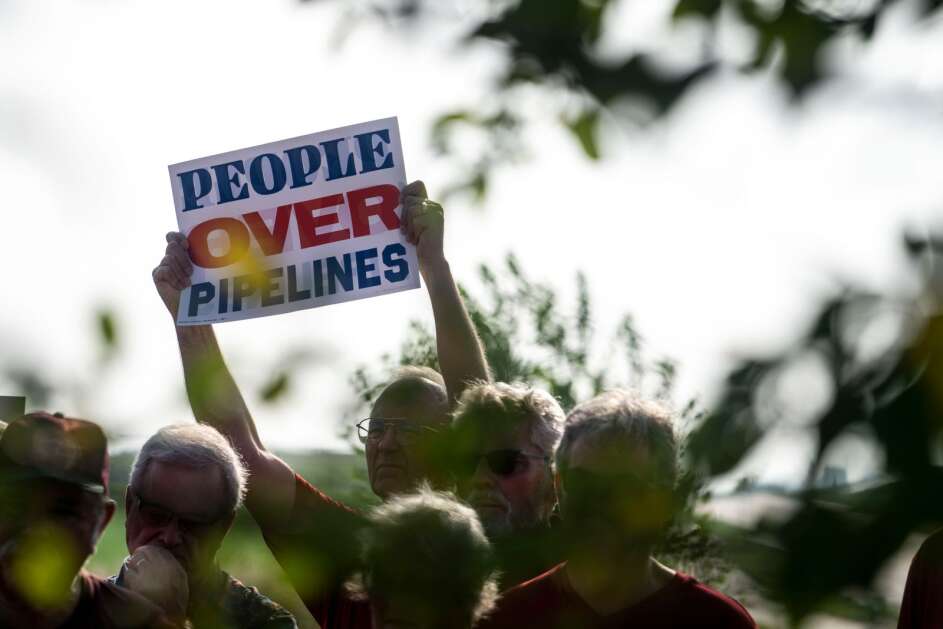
(108, 512)
(558, 491)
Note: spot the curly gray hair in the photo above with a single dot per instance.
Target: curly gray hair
(428, 549)
(503, 402)
(624, 414)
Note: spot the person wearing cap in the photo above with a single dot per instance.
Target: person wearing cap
(54, 506)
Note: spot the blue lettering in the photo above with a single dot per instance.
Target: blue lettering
(337, 273)
(273, 279)
(257, 176)
(299, 176)
(364, 266)
(226, 180)
(369, 151)
(200, 294)
(318, 279)
(293, 293)
(331, 151)
(402, 272)
(191, 197)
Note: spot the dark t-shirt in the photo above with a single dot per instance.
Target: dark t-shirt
(922, 606)
(318, 550)
(104, 605)
(230, 604)
(549, 602)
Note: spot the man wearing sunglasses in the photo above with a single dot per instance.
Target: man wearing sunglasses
(312, 536)
(616, 472)
(186, 485)
(502, 441)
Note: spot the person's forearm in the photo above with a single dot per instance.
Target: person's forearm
(214, 396)
(461, 355)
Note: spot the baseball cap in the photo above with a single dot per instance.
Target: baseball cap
(40, 445)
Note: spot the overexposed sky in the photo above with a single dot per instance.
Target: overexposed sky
(718, 227)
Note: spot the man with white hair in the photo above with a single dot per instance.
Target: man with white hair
(616, 476)
(186, 485)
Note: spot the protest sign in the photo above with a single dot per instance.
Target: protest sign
(294, 224)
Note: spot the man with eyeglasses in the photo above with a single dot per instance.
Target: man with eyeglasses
(54, 507)
(186, 485)
(314, 537)
(502, 443)
(616, 471)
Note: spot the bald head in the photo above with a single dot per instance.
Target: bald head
(416, 408)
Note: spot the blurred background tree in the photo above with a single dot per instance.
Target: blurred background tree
(564, 49)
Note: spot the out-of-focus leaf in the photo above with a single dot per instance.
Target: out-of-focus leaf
(107, 329)
(585, 127)
(696, 8)
(276, 387)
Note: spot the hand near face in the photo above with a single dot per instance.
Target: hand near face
(173, 273)
(424, 226)
(153, 573)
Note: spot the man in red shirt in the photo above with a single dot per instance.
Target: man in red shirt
(616, 467)
(922, 605)
(503, 438)
(312, 536)
(54, 506)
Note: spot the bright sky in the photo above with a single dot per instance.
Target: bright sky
(718, 228)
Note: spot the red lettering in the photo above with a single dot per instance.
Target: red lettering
(308, 223)
(360, 212)
(199, 245)
(271, 242)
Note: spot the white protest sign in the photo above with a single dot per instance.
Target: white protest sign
(294, 224)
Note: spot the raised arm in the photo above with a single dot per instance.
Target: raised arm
(461, 355)
(214, 396)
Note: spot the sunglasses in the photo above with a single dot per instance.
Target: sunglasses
(372, 429)
(503, 463)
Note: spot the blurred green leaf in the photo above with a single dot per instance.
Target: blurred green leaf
(276, 387)
(107, 329)
(585, 128)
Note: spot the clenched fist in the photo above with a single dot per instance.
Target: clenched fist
(173, 273)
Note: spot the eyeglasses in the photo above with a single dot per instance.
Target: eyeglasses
(156, 516)
(503, 463)
(372, 429)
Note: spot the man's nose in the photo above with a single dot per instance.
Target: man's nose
(389, 440)
(170, 534)
(483, 477)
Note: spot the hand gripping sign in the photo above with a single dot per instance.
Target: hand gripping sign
(294, 224)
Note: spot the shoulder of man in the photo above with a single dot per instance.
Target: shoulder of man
(117, 607)
(529, 602)
(920, 605)
(714, 607)
(254, 610)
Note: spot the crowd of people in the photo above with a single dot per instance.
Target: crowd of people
(498, 510)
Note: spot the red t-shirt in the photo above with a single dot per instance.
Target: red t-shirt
(549, 602)
(319, 551)
(104, 605)
(923, 595)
